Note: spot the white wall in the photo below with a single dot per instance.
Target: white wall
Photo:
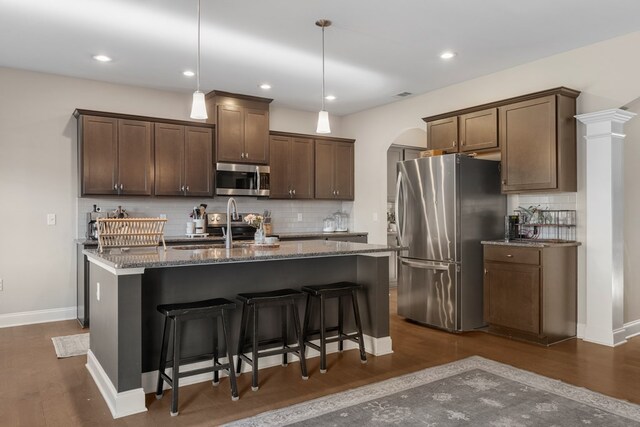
(632, 216)
(38, 175)
(606, 73)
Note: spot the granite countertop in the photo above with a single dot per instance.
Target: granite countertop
(532, 243)
(217, 254)
(209, 239)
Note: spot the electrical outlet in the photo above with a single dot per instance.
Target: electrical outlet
(98, 291)
(51, 219)
(1, 285)
(299, 217)
(163, 216)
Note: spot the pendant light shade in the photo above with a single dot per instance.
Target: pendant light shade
(323, 116)
(198, 106)
(323, 122)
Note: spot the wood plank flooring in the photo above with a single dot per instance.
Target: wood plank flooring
(36, 389)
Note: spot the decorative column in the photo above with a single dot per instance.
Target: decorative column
(605, 226)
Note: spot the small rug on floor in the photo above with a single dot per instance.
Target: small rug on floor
(470, 392)
(71, 345)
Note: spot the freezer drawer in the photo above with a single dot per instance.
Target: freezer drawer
(427, 292)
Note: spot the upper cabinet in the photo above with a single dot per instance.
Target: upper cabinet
(334, 169)
(242, 127)
(539, 144)
(122, 154)
(292, 167)
(534, 133)
(115, 156)
(184, 160)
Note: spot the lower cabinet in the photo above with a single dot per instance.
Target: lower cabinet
(530, 292)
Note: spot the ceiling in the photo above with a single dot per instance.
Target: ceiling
(375, 49)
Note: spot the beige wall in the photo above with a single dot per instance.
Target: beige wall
(606, 73)
(38, 174)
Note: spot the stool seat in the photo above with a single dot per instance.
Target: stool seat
(196, 307)
(285, 301)
(264, 297)
(339, 287)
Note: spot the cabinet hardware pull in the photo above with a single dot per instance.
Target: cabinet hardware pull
(509, 256)
(453, 144)
(337, 192)
(486, 271)
(187, 188)
(504, 181)
(182, 188)
(289, 193)
(242, 155)
(246, 155)
(115, 187)
(462, 142)
(121, 186)
(294, 192)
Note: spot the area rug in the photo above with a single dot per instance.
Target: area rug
(470, 392)
(71, 345)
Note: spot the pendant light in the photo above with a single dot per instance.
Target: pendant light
(198, 107)
(323, 116)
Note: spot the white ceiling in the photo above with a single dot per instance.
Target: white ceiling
(374, 49)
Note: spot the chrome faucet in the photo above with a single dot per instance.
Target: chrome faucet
(228, 241)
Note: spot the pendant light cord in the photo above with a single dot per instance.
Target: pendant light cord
(198, 57)
(322, 67)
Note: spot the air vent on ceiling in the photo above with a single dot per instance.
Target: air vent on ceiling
(403, 94)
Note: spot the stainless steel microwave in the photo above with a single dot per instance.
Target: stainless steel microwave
(242, 180)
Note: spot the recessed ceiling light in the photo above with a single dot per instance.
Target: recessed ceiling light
(330, 98)
(447, 55)
(265, 86)
(102, 58)
(188, 73)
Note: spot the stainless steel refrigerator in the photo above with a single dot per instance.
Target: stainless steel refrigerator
(445, 205)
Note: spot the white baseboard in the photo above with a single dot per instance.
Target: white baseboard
(580, 330)
(120, 404)
(38, 316)
(632, 329)
(375, 346)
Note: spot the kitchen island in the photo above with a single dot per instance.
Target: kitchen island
(127, 286)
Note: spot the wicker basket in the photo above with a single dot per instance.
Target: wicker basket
(130, 232)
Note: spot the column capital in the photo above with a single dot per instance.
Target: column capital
(614, 115)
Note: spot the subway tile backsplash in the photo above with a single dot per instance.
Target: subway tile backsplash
(284, 212)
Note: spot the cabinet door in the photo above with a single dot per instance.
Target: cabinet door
(198, 165)
(443, 135)
(512, 296)
(394, 155)
(343, 165)
(279, 163)
(230, 132)
(324, 173)
(479, 130)
(301, 174)
(99, 147)
(256, 136)
(169, 164)
(528, 140)
(135, 158)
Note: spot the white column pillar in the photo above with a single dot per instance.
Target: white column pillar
(605, 222)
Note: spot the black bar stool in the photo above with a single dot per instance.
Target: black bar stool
(251, 304)
(338, 290)
(178, 313)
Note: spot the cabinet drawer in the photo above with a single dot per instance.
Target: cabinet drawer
(512, 254)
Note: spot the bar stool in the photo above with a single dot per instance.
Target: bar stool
(252, 302)
(338, 290)
(178, 313)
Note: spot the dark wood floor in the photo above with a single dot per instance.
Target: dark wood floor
(36, 389)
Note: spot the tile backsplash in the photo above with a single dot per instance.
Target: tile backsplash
(284, 212)
(566, 201)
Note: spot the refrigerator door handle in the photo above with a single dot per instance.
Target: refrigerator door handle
(397, 209)
(425, 265)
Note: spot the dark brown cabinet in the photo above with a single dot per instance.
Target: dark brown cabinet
(334, 170)
(292, 167)
(443, 135)
(478, 130)
(184, 160)
(242, 127)
(530, 292)
(116, 156)
(538, 138)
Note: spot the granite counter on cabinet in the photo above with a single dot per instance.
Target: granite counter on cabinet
(126, 288)
(531, 243)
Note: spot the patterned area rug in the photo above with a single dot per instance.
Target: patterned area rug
(470, 392)
(71, 345)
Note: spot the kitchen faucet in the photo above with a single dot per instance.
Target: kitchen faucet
(228, 241)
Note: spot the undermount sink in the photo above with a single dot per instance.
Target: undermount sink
(210, 246)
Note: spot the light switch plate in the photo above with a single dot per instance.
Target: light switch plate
(51, 219)
(299, 217)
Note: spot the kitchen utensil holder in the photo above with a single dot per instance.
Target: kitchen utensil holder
(130, 232)
(552, 225)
